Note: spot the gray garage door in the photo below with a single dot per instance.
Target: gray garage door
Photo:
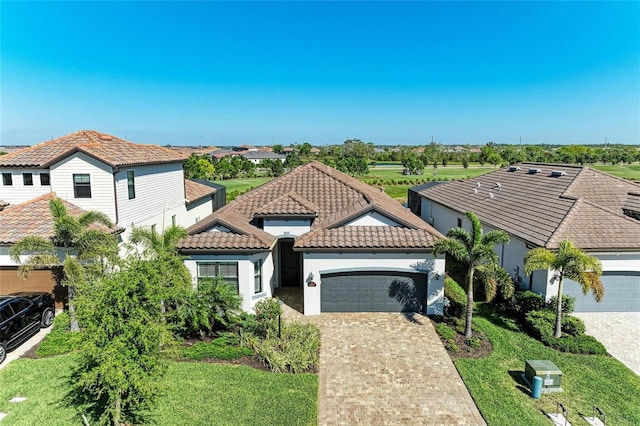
(373, 292)
(621, 293)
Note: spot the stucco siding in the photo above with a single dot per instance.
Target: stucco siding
(372, 219)
(196, 212)
(18, 192)
(245, 274)
(287, 227)
(102, 195)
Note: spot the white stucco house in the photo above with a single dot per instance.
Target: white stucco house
(133, 184)
(344, 245)
(539, 205)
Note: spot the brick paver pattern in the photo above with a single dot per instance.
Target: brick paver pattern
(388, 369)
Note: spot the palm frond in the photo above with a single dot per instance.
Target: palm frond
(58, 209)
(495, 237)
(539, 258)
(461, 235)
(37, 261)
(476, 227)
(454, 247)
(91, 217)
(172, 235)
(31, 244)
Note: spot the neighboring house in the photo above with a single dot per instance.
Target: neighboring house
(348, 246)
(31, 218)
(539, 205)
(257, 156)
(133, 184)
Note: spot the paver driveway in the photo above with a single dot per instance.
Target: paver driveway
(388, 369)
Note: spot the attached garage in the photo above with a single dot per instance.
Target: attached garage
(373, 291)
(621, 293)
(39, 280)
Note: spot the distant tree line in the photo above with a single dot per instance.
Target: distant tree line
(355, 156)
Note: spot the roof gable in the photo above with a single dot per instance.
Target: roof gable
(334, 198)
(111, 150)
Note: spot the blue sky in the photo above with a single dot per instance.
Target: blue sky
(223, 73)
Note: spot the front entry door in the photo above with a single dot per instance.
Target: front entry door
(289, 264)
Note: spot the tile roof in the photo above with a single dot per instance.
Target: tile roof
(335, 197)
(32, 217)
(262, 155)
(288, 205)
(109, 149)
(559, 202)
(196, 190)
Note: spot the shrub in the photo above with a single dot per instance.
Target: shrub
(541, 325)
(213, 306)
(445, 331)
(457, 298)
(297, 351)
(473, 342)
(60, 340)
(568, 304)
(267, 313)
(527, 301)
(220, 348)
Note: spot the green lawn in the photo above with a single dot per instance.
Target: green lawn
(503, 399)
(451, 171)
(194, 394)
(242, 185)
(627, 171)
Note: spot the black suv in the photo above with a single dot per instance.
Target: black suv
(21, 316)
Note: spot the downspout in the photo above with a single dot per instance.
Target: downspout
(115, 196)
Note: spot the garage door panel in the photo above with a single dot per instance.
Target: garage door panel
(621, 294)
(373, 292)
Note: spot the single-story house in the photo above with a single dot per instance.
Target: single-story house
(539, 205)
(344, 245)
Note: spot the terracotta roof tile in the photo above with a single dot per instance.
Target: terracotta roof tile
(542, 208)
(195, 190)
(109, 149)
(290, 204)
(335, 197)
(31, 218)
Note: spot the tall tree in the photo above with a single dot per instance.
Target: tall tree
(571, 262)
(77, 244)
(476, 251)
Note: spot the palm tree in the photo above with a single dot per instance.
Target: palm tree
(77, 244)
(162, 249)
(571, 262)
(477, 251)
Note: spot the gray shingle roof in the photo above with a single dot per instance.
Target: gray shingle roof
(544, 208)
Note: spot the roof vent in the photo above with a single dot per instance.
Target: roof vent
(533, 171)
(475, 190)
(491, 195)
(558, 173)
(514, 168)
(498, 186)
(477, 184)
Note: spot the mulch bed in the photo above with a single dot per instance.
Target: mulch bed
(464, 350)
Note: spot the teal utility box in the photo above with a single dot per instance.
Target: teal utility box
(550, 374)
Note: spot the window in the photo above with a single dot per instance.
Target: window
(153, 228)
(459, 223)
(131, 185)
(27, 179)
(173, 220)
(257, 276)
(7, 179)
(45, 179)
(228, 271)
(81, 186)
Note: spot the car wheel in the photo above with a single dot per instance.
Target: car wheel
(47, 318)
(3, 353)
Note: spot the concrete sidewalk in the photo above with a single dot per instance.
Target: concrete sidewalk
(619, 332)
(24, 348)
